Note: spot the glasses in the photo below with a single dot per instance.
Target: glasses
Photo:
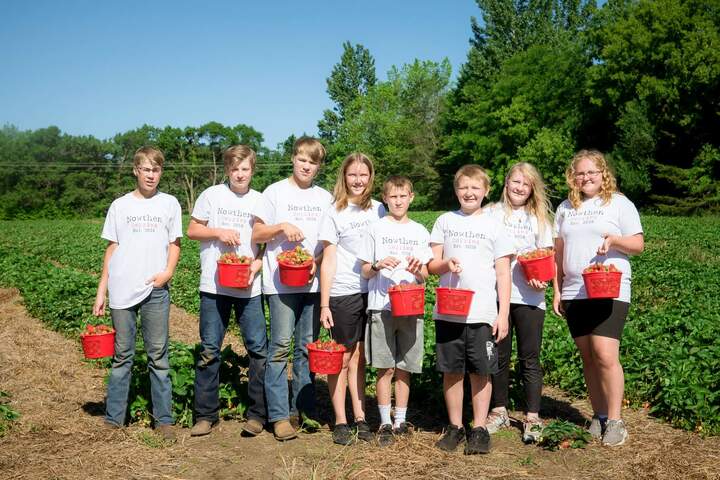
(589, 173)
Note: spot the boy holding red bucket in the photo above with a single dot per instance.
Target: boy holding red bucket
(524, 211)
(289, 215)
(472, 250)
(222, 219)
(396, 251)
(143, 229)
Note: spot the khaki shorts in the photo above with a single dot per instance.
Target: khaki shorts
(394, 342)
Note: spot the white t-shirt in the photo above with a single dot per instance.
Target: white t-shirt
(523, 229)
(477, 241)
(582, 233)
(143, 228)
(386, 238)
(220, 207)
(303, 207)
(346, 229)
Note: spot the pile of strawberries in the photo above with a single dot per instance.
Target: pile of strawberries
(401, 287)
(297, 256)
(327, 346)
(97, 330)
(232, 258)
(537, 253)
(599, 267)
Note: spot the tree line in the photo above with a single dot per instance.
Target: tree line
(637, 79)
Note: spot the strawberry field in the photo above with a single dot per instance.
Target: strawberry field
(670, 350)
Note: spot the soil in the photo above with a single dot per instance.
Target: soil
(60, 434)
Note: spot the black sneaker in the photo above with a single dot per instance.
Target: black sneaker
(404, 429)
(363, 431)
(453, 437)
(478, 441)
(342, 435)
(385, 435)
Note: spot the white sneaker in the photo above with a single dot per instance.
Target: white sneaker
(615, 433)
(532, 431)
(496, 420)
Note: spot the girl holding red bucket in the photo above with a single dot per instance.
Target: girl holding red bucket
(524, 210)
(343, 291)
(596, 223)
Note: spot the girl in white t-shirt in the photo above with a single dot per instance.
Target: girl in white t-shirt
(343, 291)
(596, 224)
(524, 210)
(472, 251)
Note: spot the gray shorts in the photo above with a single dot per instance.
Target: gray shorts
(394, 342)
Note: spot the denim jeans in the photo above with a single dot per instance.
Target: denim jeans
(214, 319)
(154, 316)
(292, 315)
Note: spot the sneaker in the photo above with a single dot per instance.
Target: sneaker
(385, 435)
(453, 437)
(362, 429)
(342, 435)
(283, 430)
(166, 432)
(596, 428)
(615, 433)
(404, 429)
(532, 430)
(202, 427)
(496, 420)
(253, 427)
(478, 441)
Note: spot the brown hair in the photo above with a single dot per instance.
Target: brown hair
(340, 192)
(537, 203)
(608, 187)
(151, 154)
(475, 172)
(397, 181)
(311, 147)
(237, 154)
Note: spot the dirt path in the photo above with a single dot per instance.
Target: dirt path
(60, 434)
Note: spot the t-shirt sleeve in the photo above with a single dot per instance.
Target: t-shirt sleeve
(367, 251)
(545, 236)
(265, 207)
(328, 228)
(438, 231)
(557, 223)
(503, 244)
(201, 210)
(425, 252)
(175, 221)
(629, 217)
(109, 231)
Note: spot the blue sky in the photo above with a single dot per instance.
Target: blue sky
(100, 67)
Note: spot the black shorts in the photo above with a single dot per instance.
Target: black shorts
(350, 316)
(465, 348)
(601, 317)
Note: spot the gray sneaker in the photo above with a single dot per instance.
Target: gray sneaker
(532, 431)
(496, 420)
(596, 428)
(615, 433)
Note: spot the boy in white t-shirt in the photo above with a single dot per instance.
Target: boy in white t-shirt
(143, 229)
(396, 250)
(289, 216)
(222, 220)
(471, 251)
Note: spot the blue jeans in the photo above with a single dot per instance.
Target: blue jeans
(291, 315)
(154, 315)
(214, 319)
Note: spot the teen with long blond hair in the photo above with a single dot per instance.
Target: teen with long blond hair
(596, 224)
(524, 210)
(344, 292)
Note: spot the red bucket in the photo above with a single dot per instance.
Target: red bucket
(98, 346)
(295, 275)
(235, 275)
(409, 299)
(541, 269)
(453, 301)
(602, 284)
(326, 362)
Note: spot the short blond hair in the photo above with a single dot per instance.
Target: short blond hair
(476, 172)
(237, 154)
(608, 186)
(310, 147)
(397, 181)
(151, 154)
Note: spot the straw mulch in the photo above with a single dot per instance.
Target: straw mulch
(61, 436)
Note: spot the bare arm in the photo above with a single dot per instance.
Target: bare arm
(438, 265)
(629, 244)
(160, 279)
(100, 296)
(502, 275)
(198, 230)
(263, 233)
(327, 273)
(557, 281)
